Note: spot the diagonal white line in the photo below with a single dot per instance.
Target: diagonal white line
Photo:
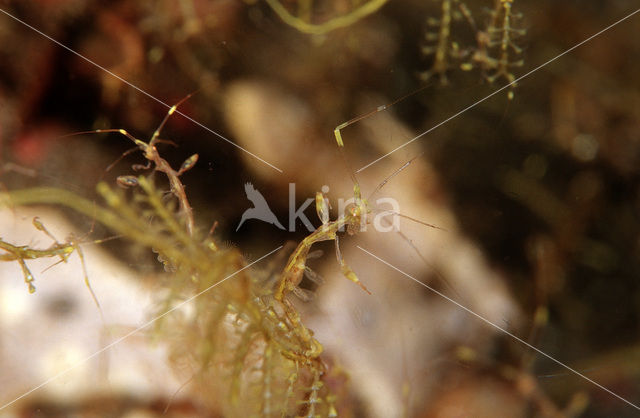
(119, 340)
(520, 340)
(498, 91)
(137, 88)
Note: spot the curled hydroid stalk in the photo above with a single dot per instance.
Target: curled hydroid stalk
(301, 18)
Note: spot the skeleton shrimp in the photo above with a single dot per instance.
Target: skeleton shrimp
(355, 220)
(63, 250)
(150, 152)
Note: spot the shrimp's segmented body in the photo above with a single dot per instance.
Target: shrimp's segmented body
(328, 231)
(63, 250)
(354, 220)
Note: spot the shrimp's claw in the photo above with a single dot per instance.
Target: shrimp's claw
(346, 270)
(349, 274)
(338, 135)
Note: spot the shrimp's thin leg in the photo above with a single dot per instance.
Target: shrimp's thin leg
(346, 270)
(76, 246)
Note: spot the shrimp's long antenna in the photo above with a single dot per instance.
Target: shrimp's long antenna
(391, 212)
(392, 175)
(154, 137)
(439, 276)
(352, 173)
(395, 173)
(382, 108)
(338, 136)
(156, 134)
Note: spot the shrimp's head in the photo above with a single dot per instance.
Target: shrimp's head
(359, 212)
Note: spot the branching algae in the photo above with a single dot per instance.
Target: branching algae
(251, 353)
